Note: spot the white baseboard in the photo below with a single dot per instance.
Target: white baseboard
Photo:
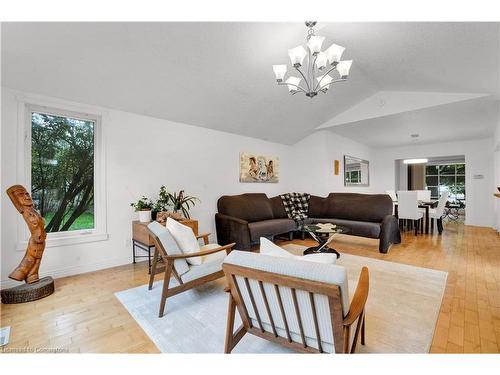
(74, 270)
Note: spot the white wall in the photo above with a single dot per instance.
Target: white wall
(478, 160)
(312, 163)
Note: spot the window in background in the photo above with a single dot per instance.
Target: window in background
(62, 170)
(446, 177)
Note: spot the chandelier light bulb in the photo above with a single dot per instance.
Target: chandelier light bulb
(279, 72)
(297, 55)
(321, 60)
(343, 68)
(292, 83)
(315, 42)
(334, 53)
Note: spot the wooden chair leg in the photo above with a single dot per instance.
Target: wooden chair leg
(164, 292)
(231, 310)
(440, 225)
(422, 226)
(363, 329)
(415, 222)
(432, 226)
(153, 269)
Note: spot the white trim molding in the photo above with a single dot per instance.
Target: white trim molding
(27, 104)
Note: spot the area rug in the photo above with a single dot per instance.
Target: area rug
(401, 312)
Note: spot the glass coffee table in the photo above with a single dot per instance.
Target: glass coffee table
(323, 234)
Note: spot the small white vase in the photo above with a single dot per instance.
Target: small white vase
(145, 216)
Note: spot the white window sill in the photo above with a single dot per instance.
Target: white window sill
(72, 239)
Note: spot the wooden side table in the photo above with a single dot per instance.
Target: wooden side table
(142, 239)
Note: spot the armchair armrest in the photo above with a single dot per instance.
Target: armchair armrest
(227, 248)
(204, 236)
(359, 300)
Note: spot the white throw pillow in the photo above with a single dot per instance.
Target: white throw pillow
(269, 248)
(186, 240)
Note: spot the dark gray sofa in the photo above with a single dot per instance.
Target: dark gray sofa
(246, 217)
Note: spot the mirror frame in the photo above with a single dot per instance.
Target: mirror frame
(355, 183)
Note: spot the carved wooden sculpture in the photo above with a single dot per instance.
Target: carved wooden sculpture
(28, 268)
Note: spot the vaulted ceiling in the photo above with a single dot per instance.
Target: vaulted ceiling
(219, 75)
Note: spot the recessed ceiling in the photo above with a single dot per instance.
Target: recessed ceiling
(219, 75)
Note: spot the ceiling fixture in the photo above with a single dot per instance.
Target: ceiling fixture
(314, 66)
(415, 161)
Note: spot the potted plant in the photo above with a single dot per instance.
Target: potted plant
(162, 203)
(144, 207)
(182, 203)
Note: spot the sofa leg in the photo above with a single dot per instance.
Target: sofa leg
(290, 236)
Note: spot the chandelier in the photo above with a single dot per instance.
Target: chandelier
(314, 66)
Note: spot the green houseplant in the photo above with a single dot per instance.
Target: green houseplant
(163, 201)
(144, 207)
(182, 202)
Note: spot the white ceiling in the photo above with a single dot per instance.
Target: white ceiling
(218, 75)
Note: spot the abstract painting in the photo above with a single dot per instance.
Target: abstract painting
(258, 168)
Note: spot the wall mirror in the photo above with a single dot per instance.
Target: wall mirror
(356, 171)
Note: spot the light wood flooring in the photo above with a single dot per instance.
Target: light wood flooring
(84, 315)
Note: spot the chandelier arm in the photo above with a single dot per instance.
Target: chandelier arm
(291, 84)
(303, 76)
(312, 69)
(324, 75)
(335, 81)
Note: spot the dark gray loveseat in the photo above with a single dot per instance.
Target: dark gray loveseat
(246, 217)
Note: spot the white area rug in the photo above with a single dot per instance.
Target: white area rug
(401, 312)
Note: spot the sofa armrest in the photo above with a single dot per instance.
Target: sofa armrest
(389, 233)
(232, 229)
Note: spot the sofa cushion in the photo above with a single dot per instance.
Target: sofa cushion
(358, 207)
(278, 208)
(356, 228)
(317, 206)
(250, 207)
(271, 227)
(210, 263)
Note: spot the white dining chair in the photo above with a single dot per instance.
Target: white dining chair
(424, 195)
(408, 209)
(438, 212)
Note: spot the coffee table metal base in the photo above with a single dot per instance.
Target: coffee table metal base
(321, 249)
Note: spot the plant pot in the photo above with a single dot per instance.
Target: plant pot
(145, 216)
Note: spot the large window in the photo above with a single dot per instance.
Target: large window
(62, 169)
(446, 177)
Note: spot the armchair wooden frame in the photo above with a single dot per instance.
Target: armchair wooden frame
(341, 326)
(170, 270)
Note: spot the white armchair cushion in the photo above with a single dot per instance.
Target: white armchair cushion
(209, 264)
(269, 248)
(185, 238)
(170, 246)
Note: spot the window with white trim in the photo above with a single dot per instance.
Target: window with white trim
(64, 173)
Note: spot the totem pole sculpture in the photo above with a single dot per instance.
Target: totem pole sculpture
(35, 288)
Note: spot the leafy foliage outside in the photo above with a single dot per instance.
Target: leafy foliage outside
(62, 171)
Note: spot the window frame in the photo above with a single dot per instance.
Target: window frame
(438, 174)
(99, 232)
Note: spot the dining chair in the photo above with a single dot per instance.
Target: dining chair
(408, 209)
(437, 213)
(424, 195)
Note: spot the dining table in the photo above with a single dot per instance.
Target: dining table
(427, 205)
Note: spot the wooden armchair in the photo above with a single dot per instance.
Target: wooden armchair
(301, 305)
(188, 276)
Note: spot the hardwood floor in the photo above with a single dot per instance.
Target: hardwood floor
(84, 315)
